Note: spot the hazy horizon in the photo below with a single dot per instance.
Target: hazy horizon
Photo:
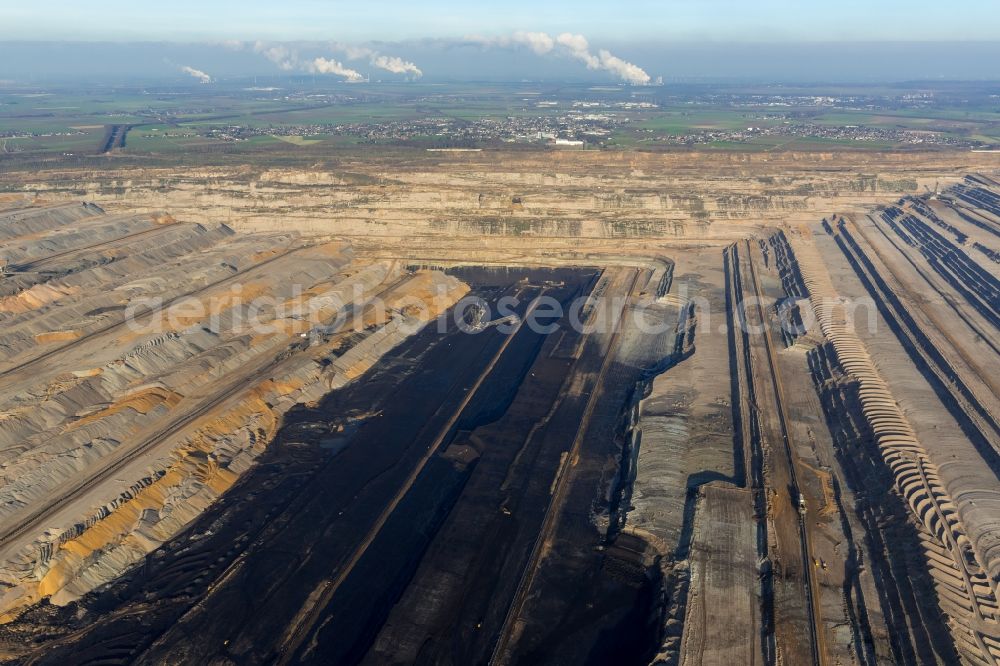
(507, 58)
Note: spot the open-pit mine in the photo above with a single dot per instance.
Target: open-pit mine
(503, 408)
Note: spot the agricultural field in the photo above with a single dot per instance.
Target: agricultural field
(296, 115)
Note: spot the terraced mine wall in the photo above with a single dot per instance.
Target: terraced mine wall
(959, 396)
(194, 466)
(905, 578)
(308, 477)
(498, 193)
(117, 431)
(956, 537)
(916, 632)
(824, 494)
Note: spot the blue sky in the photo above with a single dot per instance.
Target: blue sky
(394, 20)
(635, 42)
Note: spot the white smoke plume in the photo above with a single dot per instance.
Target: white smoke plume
(539, 42)
(197, 73)
(392, 64)
(623, 69)
(577, 47)
(574, 46)
(288, 59)
(396, 65)
(331, 66)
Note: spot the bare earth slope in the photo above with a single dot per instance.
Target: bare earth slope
(773, 409)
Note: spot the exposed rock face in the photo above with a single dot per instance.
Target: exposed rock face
(592, 195)
(117, 430)
(114, 437)
(956, 535)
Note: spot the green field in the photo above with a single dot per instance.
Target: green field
(195, 119)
